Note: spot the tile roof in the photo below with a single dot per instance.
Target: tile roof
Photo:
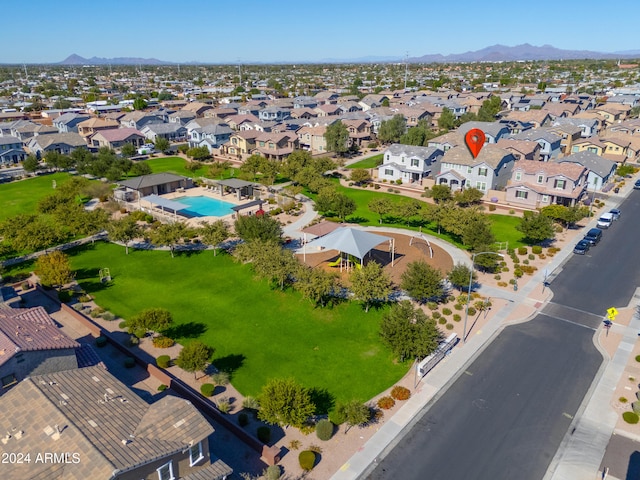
(91, 412)
(29, 329)
(119, 134)
(490, 154)
(572, 171)
(71, 138)
(216, 471)
(594, 162)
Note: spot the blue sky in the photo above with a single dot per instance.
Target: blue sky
(43, 31)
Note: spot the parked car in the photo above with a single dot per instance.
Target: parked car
(605, 220)
(582, 247)
(636, 186)
(616, 213)
(593, 236)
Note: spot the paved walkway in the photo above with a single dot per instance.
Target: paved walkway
(580, 455)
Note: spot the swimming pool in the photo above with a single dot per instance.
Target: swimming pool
(201, 206)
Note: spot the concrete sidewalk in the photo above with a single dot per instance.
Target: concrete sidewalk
(580, 454)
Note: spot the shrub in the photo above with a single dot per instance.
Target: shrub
(123, 325)
(531, 256)
(307, 460)
(400, 393)
(96, 312)
(223, 404)
(458, 306)
(324, 429)
(505, 269)
(376, 186)
(449, 326)
(630, 417)
(518, 273)
(386, 403)
(446, 311)
(637, 358)
(525, 262)
(220, 378)
(250, 403)
(243, 419)
(432, 305)
(522, 250)
(272, 472)
(512, 212)
(542, 256)
(436, 315)
(163, 361)
(78, 307)
(492, 208)
(472, 311)
(132, 341)
(315, 448)
(207, 389)
(140, 332)
(456, 317)
(264, 434)
(101, 341)
(337, 417)
(623, 400)
(294, 444)
(636, 407)
(512, 281)
(163, 342)
(537, 249)
(442, 320)
(399, 181)
(84, 298)
(108, 316)
(129, 362)
(553, 250)
(162, 388)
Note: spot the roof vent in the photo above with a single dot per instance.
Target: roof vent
(126, 441)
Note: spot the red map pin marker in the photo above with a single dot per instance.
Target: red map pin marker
(475, 141)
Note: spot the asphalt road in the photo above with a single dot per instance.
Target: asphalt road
(505, 417)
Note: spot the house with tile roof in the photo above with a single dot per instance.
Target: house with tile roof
(241, 142)
(312, 138)
(174, 132)
(98, 428)
(490, 170)
(521, 149)
(493, 131)
(550, 143)
(68, 122)
(408, 163)
(31, 344)
(63, 143)
(601, 170)
(139, 119)
(276, 145)
(539, 184)
(94, 125)
(114, 139)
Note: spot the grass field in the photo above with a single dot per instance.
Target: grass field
(369, 162)
(257, 332)
(23, 196)
(177, 165)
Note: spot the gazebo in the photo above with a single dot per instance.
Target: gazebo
(351, 241)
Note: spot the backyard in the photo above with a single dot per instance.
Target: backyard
(258, 333)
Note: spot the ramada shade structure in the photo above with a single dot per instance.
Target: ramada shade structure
(352, 242)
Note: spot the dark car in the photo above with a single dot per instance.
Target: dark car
(616, 213)
(636, 185)
(582, 247)
(593, 236)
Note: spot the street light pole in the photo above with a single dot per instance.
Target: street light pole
(466, 310)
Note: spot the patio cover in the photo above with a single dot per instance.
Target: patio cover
(165, 203)
(351, 241)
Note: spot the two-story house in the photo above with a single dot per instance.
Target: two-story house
(101, 429)
(68, 122)
(601, 170)
(241, 142)
(359, 131)
(274, 114)
(521, 149)
(550, 143)
(493, 131)
(539, 184)
(276, 145)
(408, 163)
(115, 138)
(212, 135)
(174, 132)
(94, 125)
(138, 120)
(312, 138)
(568, 133)
(11, 150)
(63, 143)
(490, 170)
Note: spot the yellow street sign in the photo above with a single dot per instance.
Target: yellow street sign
(612, 313)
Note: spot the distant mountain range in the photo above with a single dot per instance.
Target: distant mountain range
(503, 53)
(494, 53)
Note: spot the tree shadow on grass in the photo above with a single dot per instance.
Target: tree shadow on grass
(229, 363)
(188, 252)
(323, 400)
(186, 330)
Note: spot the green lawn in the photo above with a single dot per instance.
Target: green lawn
(504, 229)
(177, 165)
(369, 162)
(23, 196)
(259, 332)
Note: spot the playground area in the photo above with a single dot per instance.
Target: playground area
(407, 249)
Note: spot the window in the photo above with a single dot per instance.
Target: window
(469, 169)
(575, 149)
(388, 157)
(402, 159)
(388, 172)
(559, 184)
(165, 472)
(481, 186)
(545, 198)
(483, 172)
(521, 194)
(415, 162)
(9, 380)
(195, 454)
(540, 178)
(518, 176)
